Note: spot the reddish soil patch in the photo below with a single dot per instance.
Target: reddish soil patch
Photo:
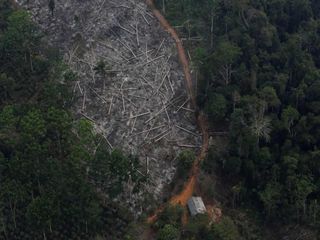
(202, 122)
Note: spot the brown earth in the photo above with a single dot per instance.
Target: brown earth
(202, 122)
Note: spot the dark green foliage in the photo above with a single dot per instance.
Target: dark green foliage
(225, 230)
(216, 106)
(185, 161)
(197, 228)
(101, 68)
(170, 215)
(50, 164)
(258, 68)
(168, 232)
(110, 170)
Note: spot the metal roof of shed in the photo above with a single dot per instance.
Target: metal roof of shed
(196, 206)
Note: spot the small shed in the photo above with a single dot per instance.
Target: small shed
(196, 206)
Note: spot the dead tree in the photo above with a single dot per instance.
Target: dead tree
(51, 6)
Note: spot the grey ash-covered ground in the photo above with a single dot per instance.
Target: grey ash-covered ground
(139, 103)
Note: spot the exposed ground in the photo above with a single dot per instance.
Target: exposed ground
(139, 103)
(202, 122)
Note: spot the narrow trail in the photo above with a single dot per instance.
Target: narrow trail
(202, 122)
(181, 52)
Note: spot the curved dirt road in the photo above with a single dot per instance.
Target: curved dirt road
(189, 186)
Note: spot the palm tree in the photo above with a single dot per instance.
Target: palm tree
(261, 128)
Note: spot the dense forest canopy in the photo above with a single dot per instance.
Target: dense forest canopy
(257, 65)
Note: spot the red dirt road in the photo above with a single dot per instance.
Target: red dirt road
(189, 186)
(181, 52)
